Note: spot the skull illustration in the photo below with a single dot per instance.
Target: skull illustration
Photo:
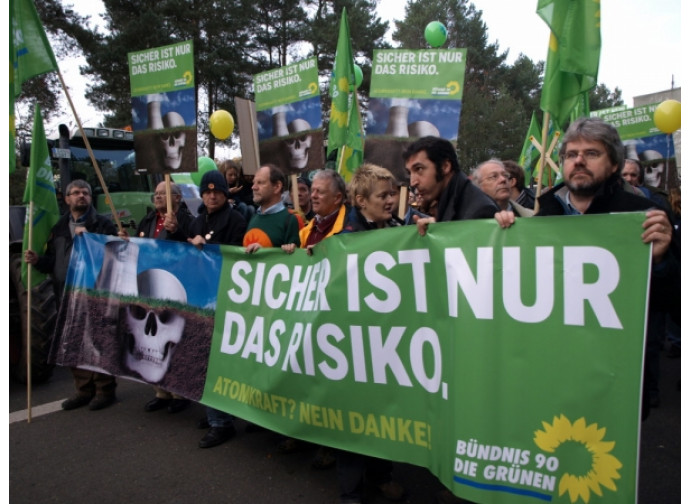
(173, 142)
(153, 333)
(653, 163)
(298, 147)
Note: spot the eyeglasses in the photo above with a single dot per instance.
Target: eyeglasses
(588, 155)
(495, 176)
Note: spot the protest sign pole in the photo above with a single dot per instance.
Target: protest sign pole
(295, 194)
(108, 199)
(28, 318)
(402, 202)
(542, 158)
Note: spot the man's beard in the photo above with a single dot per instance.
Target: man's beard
(585, 188)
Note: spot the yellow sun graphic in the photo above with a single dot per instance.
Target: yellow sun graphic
(603, 468)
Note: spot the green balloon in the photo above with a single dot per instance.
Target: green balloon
(359, 76)
(204, 164)
(435, 34)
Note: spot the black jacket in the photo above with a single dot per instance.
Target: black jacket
(462, 200)
(226, 226)
(59, 246)
(147, 226)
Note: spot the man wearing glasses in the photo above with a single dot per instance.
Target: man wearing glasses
(95, 389)
(493, 179)
(592, 158)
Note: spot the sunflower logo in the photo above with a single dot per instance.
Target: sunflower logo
(592, 464)
(187, 77)
(453, 87)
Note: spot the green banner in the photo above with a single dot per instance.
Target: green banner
(287, 84)
(421, 73)
(636, 122)
(162, 69)
(507, 362)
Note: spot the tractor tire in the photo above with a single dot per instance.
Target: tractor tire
(43, 316)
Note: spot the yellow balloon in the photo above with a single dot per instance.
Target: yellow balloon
(221, 124)
(667, 116)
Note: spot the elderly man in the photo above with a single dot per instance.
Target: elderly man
(161, 225)
(328, 195)
(592, 156)
(95, 389)
(493, 179)
(273, 225)
(436, 177)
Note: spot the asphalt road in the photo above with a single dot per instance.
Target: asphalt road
(125, 455)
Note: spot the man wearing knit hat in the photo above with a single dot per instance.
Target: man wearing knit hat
(218, 223)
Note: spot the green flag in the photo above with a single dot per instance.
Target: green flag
(530, 155)
(30, 54)
(40, 190)
(572, 63)
(345, 130)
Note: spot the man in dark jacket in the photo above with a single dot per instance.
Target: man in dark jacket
(95, 389)
(436, 177)
(155, 225)
(592, 157)
(218, 223)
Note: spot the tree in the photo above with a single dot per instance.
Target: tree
(601, 97)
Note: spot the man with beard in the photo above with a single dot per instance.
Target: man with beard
(493, 179)
(592, 156)
(436, 177)
(95, 389)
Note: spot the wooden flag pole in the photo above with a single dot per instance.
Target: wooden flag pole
(28, 316)
(402, 203)
(295, 194)
(108, 199)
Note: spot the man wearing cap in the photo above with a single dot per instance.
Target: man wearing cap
(218, 223)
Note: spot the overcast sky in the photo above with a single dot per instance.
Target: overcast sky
(641, 43)
(641, 39)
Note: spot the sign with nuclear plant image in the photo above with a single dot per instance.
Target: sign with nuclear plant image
(164, 108)
(414, 93)
(288, 114)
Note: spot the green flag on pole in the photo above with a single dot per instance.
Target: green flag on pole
(530, 155)
(345, 126)
(40, 190)
(572, 63)
(30, 54)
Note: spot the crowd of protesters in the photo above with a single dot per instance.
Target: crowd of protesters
(263, 212)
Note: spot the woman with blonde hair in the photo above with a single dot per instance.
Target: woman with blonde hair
(372, 195)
